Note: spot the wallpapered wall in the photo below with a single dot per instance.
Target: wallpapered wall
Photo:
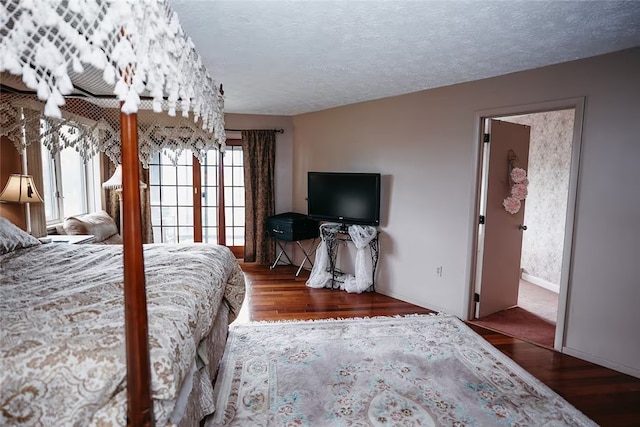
(546, 204)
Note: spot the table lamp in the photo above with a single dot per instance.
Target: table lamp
(21, 189)
(115, 183)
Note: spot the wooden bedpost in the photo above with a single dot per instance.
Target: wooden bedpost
(197, 201)
(139, 404)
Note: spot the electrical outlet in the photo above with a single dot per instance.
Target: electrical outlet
(439, 271)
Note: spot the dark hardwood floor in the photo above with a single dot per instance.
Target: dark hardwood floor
(608, 397)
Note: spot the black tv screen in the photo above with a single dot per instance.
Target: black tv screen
(346, 198)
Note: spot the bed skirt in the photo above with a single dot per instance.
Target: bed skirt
(200, 401)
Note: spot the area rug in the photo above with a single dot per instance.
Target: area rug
(391, 371)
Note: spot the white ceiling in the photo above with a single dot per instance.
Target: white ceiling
(290, 57)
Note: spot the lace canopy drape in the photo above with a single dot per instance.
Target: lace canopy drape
(96, 129)
(137, 46)
(140, 48)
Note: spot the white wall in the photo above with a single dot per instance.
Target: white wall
(284, 150)
(425, 146)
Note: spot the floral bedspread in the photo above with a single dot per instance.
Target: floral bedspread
(62, 344)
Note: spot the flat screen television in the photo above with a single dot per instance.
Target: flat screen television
(346, 198)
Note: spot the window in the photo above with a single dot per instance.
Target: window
(71, 186)
(210, 178)
(233, 171)
(231, 218)
(177, 217)
(172, 198)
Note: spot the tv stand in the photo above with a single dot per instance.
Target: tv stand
(333, 235)
(344, 229)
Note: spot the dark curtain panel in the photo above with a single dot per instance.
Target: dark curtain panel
(34, 168)
(111, 200)
(259, 151)
(145, 205)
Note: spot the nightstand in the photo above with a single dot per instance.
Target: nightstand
(73, 239)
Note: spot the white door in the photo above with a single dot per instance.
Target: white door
(500, 267)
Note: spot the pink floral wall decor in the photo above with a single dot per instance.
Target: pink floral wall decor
(512, 204)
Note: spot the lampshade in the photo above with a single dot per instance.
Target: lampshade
(115, 182)
(20, 189)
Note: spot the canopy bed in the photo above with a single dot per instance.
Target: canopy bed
(62, 346)
(171, 317)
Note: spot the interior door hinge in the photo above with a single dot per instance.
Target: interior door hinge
(486, 138)
(481, 219)
(476, 297)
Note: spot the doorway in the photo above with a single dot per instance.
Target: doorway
(536, 312)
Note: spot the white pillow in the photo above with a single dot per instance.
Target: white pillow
(99, 224)
(12, 238)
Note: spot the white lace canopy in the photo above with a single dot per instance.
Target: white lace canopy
(138, 44)
(88, 129)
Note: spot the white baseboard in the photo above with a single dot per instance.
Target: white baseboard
(634, 372)
(541, 282)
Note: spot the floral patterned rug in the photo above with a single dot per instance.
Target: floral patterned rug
(391, 371)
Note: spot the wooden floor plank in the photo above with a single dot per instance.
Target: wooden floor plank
(609, 398)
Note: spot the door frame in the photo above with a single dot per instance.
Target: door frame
(576, 147)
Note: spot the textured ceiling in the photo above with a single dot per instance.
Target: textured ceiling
(292, 57)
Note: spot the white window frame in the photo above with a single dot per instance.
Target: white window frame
(90, 182)
(223, 227)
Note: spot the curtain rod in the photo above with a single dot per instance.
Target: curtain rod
(240, 130)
